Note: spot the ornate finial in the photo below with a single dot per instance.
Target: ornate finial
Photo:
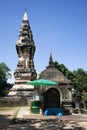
(25, 17)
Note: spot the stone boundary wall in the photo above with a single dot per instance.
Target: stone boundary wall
(13, 101)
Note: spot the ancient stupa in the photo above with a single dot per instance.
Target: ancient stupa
(25, 71)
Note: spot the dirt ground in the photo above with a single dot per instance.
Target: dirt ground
(40, 122)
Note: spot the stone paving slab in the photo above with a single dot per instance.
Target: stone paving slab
(24, 113)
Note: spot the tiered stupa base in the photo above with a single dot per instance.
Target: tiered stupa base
(23, 92)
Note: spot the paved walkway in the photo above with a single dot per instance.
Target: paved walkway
(24, 113)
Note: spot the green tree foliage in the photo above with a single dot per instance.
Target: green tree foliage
(81, 80)
(61, 67)
(78, 77)
(4, 75)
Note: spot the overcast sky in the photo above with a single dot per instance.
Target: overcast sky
(58, 26)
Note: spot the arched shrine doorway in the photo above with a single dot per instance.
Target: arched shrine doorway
(52, 98)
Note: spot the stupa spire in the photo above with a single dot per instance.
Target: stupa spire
(51, 61)
(25, 49)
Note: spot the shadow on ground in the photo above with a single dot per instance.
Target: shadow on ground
(37, 124)
(4, 121)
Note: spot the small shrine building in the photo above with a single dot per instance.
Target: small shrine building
(56, 96)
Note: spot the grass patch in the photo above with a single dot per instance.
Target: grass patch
(7, 108)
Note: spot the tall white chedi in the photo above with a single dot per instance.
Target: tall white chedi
(25, 68)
